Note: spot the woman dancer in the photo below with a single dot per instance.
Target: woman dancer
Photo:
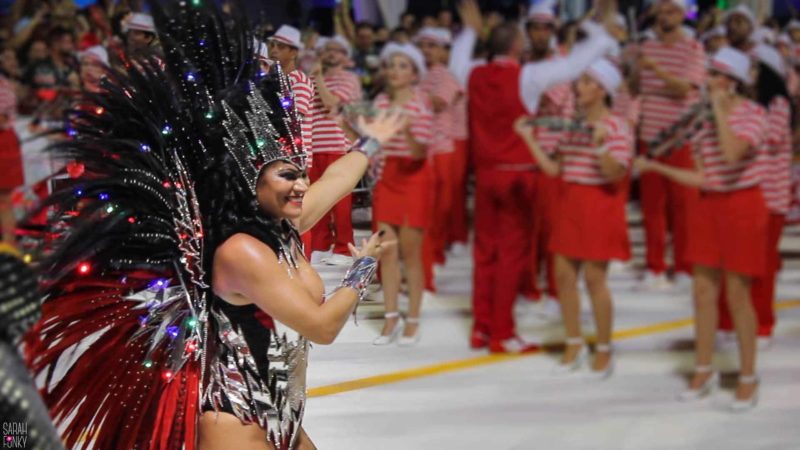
(772, 94)
(729, 236)
(181, 255)
(401, 199)
(590, 227)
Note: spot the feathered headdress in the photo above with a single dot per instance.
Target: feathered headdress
(128, 243)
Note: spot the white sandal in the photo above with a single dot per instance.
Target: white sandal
(388, 339)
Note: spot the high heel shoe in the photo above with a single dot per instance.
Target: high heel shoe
(605, 373)
(388, 339)
(739, 406)
(408, 341)
(575, 364)
(709, 387)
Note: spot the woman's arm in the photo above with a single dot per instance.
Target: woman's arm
(247, 269)
(418, 149)
(329, 100)
(611, 169)
(525, 130)
(693, 178)
(339, 179)
(343, 175)
(733, 147)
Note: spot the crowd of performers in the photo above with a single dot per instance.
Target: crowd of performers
(255, 159)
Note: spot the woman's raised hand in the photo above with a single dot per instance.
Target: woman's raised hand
(384, 126)
(372, 247)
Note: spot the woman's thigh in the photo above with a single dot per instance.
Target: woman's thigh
(223, 431)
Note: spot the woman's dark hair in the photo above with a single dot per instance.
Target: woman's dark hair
(235, 208)
(770, 85)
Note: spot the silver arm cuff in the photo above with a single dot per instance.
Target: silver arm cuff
(360, 275)
(366, 145)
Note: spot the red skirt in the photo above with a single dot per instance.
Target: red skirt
(729, 231)
(11, 170)
(402, 196)
(590, 223)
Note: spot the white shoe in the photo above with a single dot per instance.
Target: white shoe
(708, 388)
(459, 250)
(549, 309)
(605, 373)
(739, 406)
(337, 260)
(764, 343)
(576, 363)
(409, 341)
(388, 339)
(655, 282)
(682, 282)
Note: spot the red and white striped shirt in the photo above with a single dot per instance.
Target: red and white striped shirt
(558, 101)
(439, 82)
(327, 135)
(420, 119)
(748, 121)
(685, 60)
(303, 90)
(777, 183)
(627, 106)
(580, 160)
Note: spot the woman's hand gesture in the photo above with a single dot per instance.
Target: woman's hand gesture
(372, 247)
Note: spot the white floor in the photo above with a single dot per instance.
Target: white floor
(496, 403)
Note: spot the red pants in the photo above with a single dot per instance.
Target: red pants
(547, 197)
(442, 195)
(762, 290)
(458, 221)
(336, 227)
(503, 213)
(666, 202)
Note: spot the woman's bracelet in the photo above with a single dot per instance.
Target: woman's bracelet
(360, 275)
(366, 145)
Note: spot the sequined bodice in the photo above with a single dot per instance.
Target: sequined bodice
(256, 368)
(259, 368)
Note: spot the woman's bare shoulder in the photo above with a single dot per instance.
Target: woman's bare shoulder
(242, 249)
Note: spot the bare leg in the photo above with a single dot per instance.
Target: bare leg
(567, 282)
(595, 273)
(744, 320)
(706, 292)
(411, 251)
(7, 221)
(224, 431)
(390, 277)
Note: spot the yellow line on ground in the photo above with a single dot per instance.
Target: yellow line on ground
(478, 361)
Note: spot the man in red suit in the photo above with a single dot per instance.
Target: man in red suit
(498, 93)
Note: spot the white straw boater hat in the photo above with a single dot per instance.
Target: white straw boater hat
(288, 35)
(409, 50)
(607, 74)
(437, 35)
(733, 63)
(140, 22)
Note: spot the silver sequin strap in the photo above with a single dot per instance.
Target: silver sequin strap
(366, 145)
(360, 275)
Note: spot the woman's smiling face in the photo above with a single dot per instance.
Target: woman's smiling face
(280, 190)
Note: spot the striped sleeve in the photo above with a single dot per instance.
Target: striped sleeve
(748, 124)
(303, 90)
